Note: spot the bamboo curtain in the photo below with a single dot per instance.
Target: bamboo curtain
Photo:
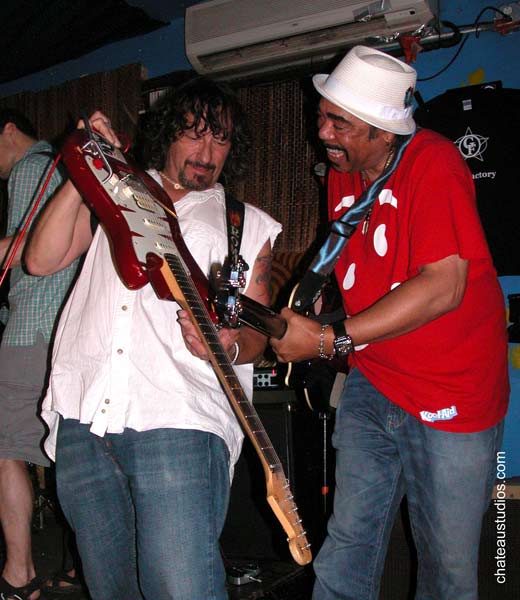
(281, 179)
(56, 110)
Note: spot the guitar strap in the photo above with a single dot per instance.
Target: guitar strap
(51, 155)
(34, 205)
(341, 231)
(235, 226)
(230, 278)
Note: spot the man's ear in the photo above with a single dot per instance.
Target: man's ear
(389, 138)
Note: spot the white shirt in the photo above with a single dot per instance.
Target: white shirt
(119, 360)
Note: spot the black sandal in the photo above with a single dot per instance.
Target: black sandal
(73, 584)
(10, 592)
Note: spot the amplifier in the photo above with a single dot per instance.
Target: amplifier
(267, 378)
(251, 531)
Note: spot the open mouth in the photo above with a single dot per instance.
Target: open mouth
(335, 152)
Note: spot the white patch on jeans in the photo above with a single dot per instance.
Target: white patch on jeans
(443, 414)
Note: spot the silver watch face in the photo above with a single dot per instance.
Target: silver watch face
(343, 345)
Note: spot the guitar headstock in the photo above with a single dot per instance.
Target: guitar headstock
(282, 502)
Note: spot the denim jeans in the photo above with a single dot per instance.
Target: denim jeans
(147, 508)
(382, 454)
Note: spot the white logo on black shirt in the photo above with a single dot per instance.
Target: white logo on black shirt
(472, 145)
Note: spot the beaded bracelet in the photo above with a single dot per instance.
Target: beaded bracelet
(237, 352)
(321, 348)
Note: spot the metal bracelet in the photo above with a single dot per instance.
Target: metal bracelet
(237, 352)
(321, 348)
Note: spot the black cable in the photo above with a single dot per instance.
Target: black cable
(446, 67)
(477, 33)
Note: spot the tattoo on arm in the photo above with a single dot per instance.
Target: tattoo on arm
(263, 265)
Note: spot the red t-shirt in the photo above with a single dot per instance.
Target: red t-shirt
(452, 372)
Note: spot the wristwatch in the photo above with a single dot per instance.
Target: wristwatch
(343, 344)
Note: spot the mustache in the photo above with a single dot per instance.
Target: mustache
(201, 165)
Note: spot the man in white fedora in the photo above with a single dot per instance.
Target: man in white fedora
(422, 411)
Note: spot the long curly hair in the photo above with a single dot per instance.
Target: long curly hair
(212, 106)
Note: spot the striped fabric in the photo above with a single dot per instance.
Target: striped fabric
(33, 301)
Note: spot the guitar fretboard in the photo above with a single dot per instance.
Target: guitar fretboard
(222, 365)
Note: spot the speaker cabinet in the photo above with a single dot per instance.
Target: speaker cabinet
(251, 530)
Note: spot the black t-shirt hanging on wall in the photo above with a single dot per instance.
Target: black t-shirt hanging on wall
(482, 120)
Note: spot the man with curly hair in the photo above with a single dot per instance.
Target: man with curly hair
(144, 438)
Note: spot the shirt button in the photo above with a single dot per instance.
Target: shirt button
(124, 307)
(107, 401)
(103, 411)
(120, 351)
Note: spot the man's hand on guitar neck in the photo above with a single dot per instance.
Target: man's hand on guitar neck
(228, 337)
(251, 343)
(301, 340)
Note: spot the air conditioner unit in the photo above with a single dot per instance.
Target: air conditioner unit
(242, 37)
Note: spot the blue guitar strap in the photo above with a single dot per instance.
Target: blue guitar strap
(341, 231)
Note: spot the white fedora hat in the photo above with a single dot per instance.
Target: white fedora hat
(373, 86)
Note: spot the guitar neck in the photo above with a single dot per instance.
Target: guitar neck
(260, 317)
(174, 273)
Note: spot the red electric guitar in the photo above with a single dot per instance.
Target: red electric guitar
(147, 247)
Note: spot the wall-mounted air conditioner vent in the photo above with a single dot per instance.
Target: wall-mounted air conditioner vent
(248, 36)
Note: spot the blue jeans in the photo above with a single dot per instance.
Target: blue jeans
(382, 454)
(147, 508)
